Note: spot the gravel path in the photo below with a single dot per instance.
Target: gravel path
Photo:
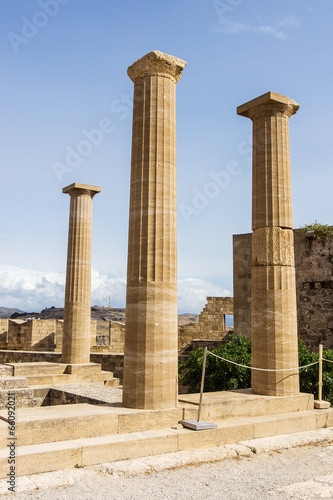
(301, 473)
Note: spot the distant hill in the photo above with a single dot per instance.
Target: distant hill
(7, 312)
(97, 312)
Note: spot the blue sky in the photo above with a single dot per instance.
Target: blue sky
(63, 67)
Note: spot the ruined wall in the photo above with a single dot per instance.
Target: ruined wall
(211, 322)
(113, 341)
(314, 283)
(18, 336)
(314, 287)
(3, 331)
(42, 333)
(117, 336)
(32, 334)
(45, 335)
(39, 334)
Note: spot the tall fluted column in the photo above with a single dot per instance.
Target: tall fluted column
(273, 313)
(151, 350)
(76, 338)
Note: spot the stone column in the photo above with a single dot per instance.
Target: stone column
(273, 310)
(76, 337)
(151, 351)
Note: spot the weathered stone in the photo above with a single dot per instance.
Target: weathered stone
(314, 287)
(150, 366)
(273, 246)
(273, 306)
(76, 337)
(274, 330)
(271, 183)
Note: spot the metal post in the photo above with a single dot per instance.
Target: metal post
(320, 384)
(200, 425)
(202, 382)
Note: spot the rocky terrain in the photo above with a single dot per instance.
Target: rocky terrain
(6, 312)
(97, 312)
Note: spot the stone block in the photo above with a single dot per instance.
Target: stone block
(272, 246)
(284, 424)
(127, 446)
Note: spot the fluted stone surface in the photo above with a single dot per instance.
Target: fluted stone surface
(274, 330)
(76, 337)
(151, 358)
(273, 306)
(271, 181)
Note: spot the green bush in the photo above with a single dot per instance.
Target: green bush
(220, 375)
(223, 376)
(320, 230)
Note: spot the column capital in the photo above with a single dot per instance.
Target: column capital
(78, 189)
(156, 63)
(269, 104)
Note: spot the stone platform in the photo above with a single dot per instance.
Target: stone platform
(45, 373)
(64, 436)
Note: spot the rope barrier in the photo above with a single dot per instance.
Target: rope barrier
(320, 360)
(264, 369)
(328, 360)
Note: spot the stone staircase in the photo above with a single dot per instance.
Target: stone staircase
(45, 373)
(32, 383)
(59, 437)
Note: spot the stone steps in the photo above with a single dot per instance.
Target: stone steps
(13, 383)
(6, 371)
(48, 456)
(242, 403)
(82, 420)
(29, 397)
(38, 368)
(45, 373)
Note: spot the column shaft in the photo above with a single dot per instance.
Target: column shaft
(151, 350)
(77, 315)
(273, 310)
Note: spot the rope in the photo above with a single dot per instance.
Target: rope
(264, 369)
(328, 360)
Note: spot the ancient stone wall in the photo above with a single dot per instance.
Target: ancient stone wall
(32, 334)
(3, 331)
(45, 335)
(113, 341)
(211, 322)
(39, 334)
(314, 282)
(117, 336)
(314, 287)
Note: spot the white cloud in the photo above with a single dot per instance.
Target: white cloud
(32, 290)
(277, 30)
(192, 294)
(29, 289)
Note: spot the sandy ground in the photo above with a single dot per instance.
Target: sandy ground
(258, 469)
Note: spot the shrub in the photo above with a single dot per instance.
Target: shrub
(220, 375)
(320, 230)
(223, 376)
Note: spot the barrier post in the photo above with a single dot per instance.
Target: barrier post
(320, 384)
(202, 382)
(200, 425)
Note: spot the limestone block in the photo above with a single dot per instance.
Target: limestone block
(285, 424)
(274, 330)
(272, 246)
